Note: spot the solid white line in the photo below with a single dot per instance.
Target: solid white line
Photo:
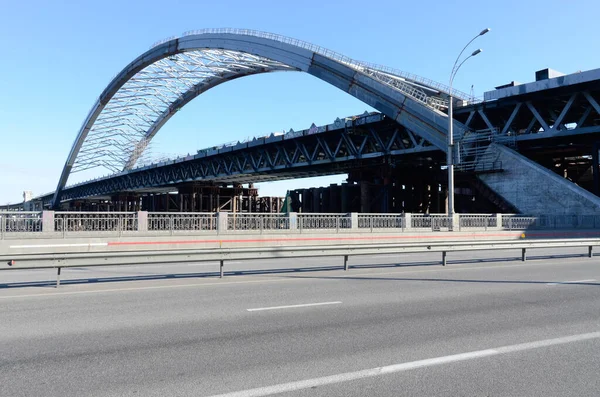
(293, 306)
(572, 282)
(378, 371)
(60, 245)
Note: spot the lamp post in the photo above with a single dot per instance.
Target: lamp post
(450, 154)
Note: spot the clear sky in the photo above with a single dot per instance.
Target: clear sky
(57, 56)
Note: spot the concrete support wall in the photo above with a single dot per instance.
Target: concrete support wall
(534, 190)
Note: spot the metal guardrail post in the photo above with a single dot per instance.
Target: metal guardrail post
(346, 262)
(523, 254)
(590, 251)
(221, 263)
(58, 277)
(443, 258)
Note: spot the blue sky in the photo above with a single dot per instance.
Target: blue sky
(58, 56)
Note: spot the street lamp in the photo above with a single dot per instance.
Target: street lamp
(450, 155)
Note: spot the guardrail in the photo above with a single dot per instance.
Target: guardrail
(221, 255)
(50, 224)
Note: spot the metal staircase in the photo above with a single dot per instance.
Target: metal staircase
(472, 154)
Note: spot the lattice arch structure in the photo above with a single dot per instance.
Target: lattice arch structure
(146, 93)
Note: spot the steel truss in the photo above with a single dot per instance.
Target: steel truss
(549, 114)
(124, 128)
(126, 125)
(145, 94)
(330, 152)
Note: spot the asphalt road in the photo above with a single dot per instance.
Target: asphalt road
(486, 325)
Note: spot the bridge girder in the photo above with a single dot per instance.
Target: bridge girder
(331, 152)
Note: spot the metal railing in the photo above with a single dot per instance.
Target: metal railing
(551, 222)
(381, 221)
(324, 221)
(20, 224)
(63, 259)
(258, 222)
(172, 222)
(69, 222)
(433, 222)
(477, 221)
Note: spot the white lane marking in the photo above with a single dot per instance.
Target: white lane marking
(390, 369)
(293, 306)
(572, 282)
(278, 280)
(60, 245)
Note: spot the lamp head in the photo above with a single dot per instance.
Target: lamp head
(477, 51)
(484, 31)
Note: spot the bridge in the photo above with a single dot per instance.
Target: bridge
(395, 158)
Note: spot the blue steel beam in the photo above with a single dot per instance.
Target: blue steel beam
(331, 152)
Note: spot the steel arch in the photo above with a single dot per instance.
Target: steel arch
(146, 93)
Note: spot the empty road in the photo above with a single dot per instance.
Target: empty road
(485, 325)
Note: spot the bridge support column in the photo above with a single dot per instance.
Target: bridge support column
(365, 199)
(335, 198)
(316, 194)
(325, 200)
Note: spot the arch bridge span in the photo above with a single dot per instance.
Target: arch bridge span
(153, 87)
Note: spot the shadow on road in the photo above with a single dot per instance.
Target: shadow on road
(287, 271)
